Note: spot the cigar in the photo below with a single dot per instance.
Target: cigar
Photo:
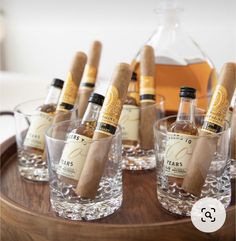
(147, 97)
(106, 127)
(89, 78)
(69, 92)
(70, 88)
(233, 135)
(213, 123)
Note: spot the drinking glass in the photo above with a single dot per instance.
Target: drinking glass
(32, 159)
(135, 157)
(217, 184)
(64, 200)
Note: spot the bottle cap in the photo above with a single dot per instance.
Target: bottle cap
(57, 83)
(134, 76)
(96, 98)
(187, 92)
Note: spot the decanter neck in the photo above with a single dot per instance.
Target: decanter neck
(169, 17)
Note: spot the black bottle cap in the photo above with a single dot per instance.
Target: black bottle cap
(96, 99)
(134, 76)
(187, 92)
(57, 83)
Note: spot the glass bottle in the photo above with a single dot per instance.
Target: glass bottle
(179, 59)
(129, 119)
(181, 138)
(42, 119)
(133, 92)
(78, 142)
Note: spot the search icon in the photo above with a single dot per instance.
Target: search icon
(208, 215)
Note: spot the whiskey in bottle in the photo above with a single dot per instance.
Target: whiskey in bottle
(129, 119)
(181, 138)
(42, 119)
(78, 142)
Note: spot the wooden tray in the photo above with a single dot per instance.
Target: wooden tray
(26, 214)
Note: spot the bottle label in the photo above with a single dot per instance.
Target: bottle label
(89, 78)
(215, 117)
(179, 149)
(69, 94)
(110, 112)
(38, 127)
(129, 122)
(74, 156)
(147, 89)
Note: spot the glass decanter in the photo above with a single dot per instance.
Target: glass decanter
(179, 59)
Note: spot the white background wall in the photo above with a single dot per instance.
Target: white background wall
(42, 36)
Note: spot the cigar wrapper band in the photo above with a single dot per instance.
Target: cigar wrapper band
(105, 128)
(147, 82)
(87, 86)
(210, 128)
(69, 91)
(90, 75)
(111, 109)
(147, 98)
(214, 120)
(147, 90)
(65, 107)
(89, 71)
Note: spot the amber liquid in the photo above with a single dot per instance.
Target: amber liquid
(49, 109)
(169, 79)
(183, 127)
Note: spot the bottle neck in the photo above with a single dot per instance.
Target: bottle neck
(186, 110)
(169, 17)
(53, 95)
(91, 113)
(133, 86)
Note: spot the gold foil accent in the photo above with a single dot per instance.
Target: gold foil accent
(218, 107)
(69, 91)
(89, 76)
(111, 109)
(147, 84)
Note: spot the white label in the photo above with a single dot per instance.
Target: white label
(36, 133)
(74, 156)
(179, 149)
(129, 122)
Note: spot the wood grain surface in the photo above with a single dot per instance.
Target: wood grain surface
(26, 214)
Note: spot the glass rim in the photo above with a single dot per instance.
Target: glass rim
(16, 108)
(155, 127)
(150, 105)
(118, 131)
(162, 97)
